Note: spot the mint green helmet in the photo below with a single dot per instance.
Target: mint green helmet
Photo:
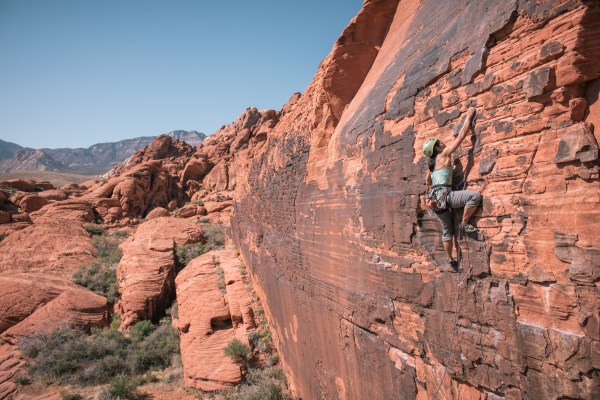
(429, 146)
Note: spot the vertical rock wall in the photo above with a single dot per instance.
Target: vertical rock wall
(350, 265)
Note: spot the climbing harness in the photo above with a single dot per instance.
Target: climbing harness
(439, 193)
(458, 287)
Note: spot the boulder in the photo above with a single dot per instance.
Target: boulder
(146, 272)
(31, 202)
(58, 247)
(21, 294)
(157, 213)
(211, 314)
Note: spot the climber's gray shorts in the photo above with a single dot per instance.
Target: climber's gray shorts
(458, 199)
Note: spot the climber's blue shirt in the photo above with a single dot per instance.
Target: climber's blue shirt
(442, 176)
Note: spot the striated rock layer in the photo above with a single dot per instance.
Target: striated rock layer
(211, 314)
(146, 272)
(349, 263)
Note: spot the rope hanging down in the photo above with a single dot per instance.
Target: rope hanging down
(454, 325)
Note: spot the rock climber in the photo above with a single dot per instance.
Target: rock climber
(441, 198)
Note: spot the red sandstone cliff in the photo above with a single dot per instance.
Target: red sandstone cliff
(327, 213)
(324, 200)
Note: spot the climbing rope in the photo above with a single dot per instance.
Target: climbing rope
(454, 324)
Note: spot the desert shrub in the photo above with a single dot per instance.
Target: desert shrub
(215, 235)
(221, 279)
(123, 388)
(103, 370)
(71, 396)
(67, 356)
(100, 278)
(174, 377)
(186, 253)
(237, 350)
(268, 391)
(173, 311)
(108, 249)
(115, 323)
(58, 355)
(141, 329)
(155, 351)
(215, 239)
(94, 230)
(272, 360)
(253, 338)
(261, 384)
(121, 234)
(22, 379)
(204, 220)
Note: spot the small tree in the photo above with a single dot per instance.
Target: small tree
(237, 350)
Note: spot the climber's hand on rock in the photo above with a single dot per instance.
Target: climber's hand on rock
(470, 114)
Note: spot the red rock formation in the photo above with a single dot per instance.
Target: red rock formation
(27, 185)
(146, 272)
(56, 246)
(210, 317)
(157, 213)
(31, 303)
(76, 307)
(328, 216)
(10, 364)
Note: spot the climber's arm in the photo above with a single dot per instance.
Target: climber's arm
(462, 134)
(428, 179)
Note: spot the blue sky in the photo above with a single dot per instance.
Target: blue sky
(78, 72)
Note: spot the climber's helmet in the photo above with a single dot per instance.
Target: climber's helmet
(429, 146)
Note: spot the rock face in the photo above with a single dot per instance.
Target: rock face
(328, 215)
(146, 272)
(210, 317)
(33, 303)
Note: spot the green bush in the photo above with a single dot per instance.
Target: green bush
(94, 230)
(67, 356)
(261, 384)
(123, 388)
(108, 249)
(215, 239)
(237, 350)
(141, 329)
(22, 379)
(58, 355)
(215, 235)
(71, 396)
(121, 234)
(100, 278)
(186, 253)
(155, 351)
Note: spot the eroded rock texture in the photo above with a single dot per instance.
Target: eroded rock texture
(214, 308)
(146, 272)
(328, 216)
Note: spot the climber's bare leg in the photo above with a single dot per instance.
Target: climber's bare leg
(448, 248)
(468, 213)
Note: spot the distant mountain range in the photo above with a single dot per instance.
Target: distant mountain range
(96, 159)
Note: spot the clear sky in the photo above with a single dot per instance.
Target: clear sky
(78, 72)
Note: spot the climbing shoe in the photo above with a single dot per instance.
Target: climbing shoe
(453, 264)
(468, 228)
